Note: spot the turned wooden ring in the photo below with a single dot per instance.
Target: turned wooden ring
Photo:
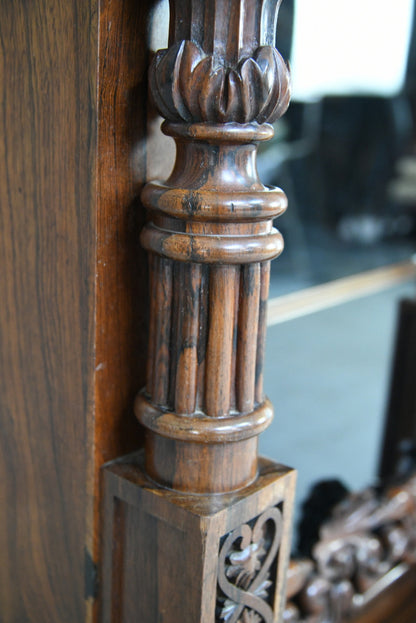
(210, 205)
(212, 249)
(201, 428)
(220, 132)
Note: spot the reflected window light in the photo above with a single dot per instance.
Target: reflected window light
(350, 47)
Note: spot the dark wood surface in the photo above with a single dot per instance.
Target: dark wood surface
(69, 223)
(47, 228)
(121, 266)
(210, 239)
(397, 604)
(122, 285)
(398, 451)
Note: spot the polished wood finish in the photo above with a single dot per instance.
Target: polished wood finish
(121, 299)
(121, 295)
(395, 604)
(210, 239)
(47, 226)
(77, 147)
(73, 284)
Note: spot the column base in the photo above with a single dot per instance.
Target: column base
(171, 556)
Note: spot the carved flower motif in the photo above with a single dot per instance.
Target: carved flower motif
(245, 567)
(242, 568)
(244, 564)
(191, 86)
(247, 616)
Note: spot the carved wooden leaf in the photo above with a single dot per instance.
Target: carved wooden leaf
(191, 86)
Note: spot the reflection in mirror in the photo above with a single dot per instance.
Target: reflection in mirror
(344, 152)
(328, 375)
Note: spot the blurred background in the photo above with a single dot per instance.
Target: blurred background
(345, 154)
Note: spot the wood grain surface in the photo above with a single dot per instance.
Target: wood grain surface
(78, 141)
(397, 604)
(73, 285)
(121, 281)
(122, 284)
(47, 223)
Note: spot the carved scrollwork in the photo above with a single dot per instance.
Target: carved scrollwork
(366, 536)
(246, 568)
(191, 86)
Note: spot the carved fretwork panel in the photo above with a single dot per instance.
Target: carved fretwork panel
(247, 568)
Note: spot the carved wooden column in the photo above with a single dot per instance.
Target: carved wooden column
(201, 530)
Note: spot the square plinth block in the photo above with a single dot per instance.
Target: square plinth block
(171, 557)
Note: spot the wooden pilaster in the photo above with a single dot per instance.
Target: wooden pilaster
(210, 239)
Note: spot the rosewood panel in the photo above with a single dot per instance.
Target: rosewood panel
(122, 284)
(48, 56)
(121, 266)
(73, 285)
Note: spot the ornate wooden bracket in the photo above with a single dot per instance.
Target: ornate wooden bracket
(367, 544)
(210, 239)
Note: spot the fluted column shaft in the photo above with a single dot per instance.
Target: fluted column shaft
(210, 239)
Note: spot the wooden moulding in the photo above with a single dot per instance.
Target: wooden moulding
(201, 530)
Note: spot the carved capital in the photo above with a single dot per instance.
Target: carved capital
(191, 86)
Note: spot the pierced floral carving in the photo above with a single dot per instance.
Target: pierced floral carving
(191, 86)
(365, 537)
(246, 568)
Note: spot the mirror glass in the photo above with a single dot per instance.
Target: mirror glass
(345, 155)
(327, 375)
(344, 151)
